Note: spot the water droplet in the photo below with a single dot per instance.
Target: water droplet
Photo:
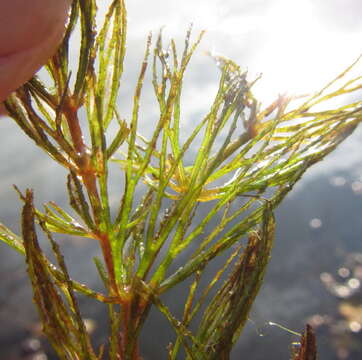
(343, 272)
(354, 283)
(327, 278)
(355, 326)
(315, 223)
(337, 181)
(357, 187)
(342, 291)
(76, 224)
(31, 345)
(316, 320)
(90, 325)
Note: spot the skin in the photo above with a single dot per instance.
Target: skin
(30, 33)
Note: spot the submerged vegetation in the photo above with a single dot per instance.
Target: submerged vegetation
(247, 161)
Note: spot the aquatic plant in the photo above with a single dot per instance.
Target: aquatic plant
(248, 159)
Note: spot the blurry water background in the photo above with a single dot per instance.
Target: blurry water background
(316, 268)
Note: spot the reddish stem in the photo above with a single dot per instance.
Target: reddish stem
(70, 112)
(108, 258)
(89, 177)
(130, 321)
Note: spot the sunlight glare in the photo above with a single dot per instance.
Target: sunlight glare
(300, 55)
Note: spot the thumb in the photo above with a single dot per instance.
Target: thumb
(30, 33)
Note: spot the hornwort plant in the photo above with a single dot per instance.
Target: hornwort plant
(247, 161)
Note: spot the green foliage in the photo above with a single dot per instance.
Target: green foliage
(248, 160)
